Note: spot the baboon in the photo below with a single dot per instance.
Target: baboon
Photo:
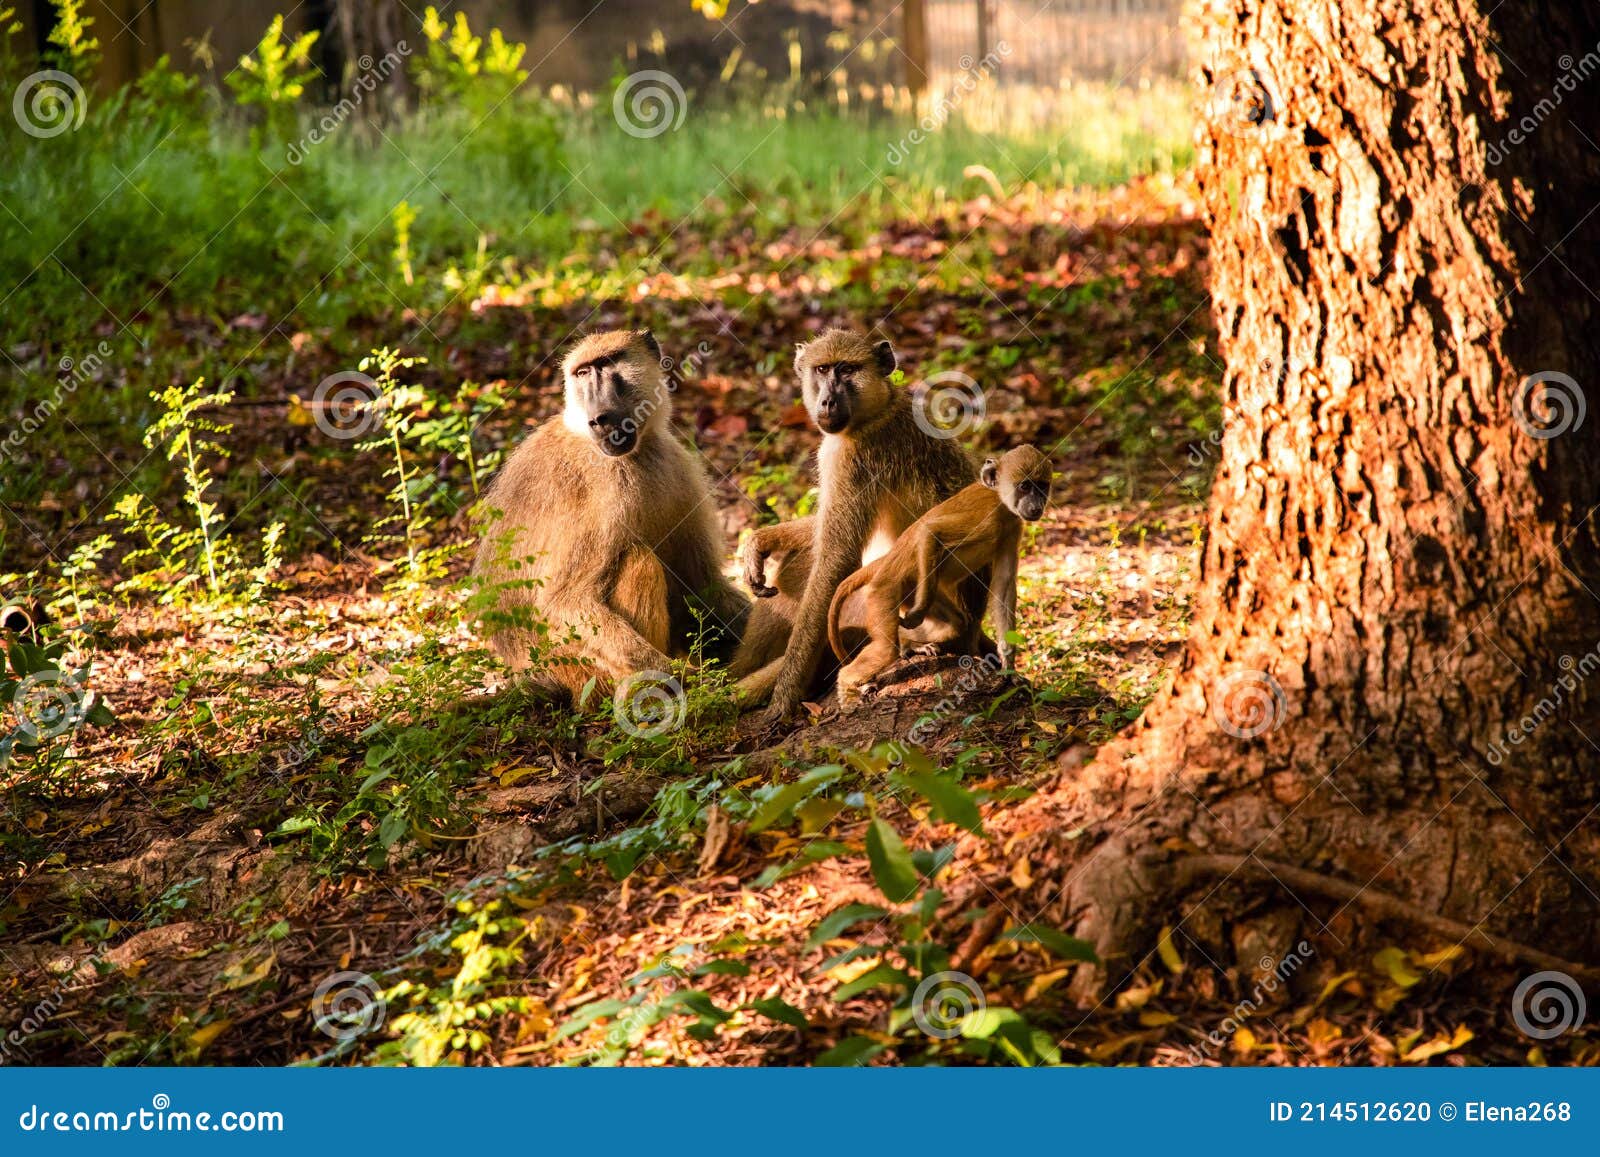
(879, 471)
(776, 562)
(607, 531)
(976, 534)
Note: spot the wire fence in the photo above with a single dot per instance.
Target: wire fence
(1055, 42)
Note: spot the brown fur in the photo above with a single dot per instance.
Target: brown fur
(879, 473)
(781, 554)
(616, 550)
(972, 535)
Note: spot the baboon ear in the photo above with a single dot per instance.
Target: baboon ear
(990, 474)
(648, 340)
(883, 354)
(799, 351)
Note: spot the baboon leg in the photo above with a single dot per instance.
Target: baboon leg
(883, 643)
(640, 596)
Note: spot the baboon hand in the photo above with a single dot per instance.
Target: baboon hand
(755, 572)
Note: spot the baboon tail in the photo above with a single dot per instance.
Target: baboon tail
(847, 588)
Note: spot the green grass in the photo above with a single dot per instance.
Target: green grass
(153, 205)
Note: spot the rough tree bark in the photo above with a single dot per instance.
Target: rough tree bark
(1402, 559)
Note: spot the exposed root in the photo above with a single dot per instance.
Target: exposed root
(1188, 869)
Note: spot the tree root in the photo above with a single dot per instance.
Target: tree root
(1190, 868)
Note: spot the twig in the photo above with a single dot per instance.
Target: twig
(1381, 903)
(978, 939)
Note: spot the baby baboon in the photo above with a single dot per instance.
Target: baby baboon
(973, 535)
(879, 472)
(776, 562)
(607, 529)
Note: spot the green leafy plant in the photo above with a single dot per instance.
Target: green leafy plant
(75, 50)
(273, 79)
(404, 216)
(395, 408)
(449, 1021)
(182, 428)
(45, 700)
(456, 66)
(182, 559)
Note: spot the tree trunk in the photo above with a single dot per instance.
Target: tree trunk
(1388, 680)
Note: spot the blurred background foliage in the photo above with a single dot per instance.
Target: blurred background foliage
(267, 174)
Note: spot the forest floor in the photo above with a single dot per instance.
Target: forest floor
(302, 840)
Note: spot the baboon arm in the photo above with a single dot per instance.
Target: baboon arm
(1003, 597)
(610, 641)
(842, 535)
(768, 540)
(618, 626)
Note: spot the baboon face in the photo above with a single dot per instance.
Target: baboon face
(843, 378)
(615, 390)
(1022, 476)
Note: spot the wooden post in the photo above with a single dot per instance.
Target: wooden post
(914, 37)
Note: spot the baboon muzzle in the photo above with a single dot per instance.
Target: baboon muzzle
(833, 413)
(614, 433)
